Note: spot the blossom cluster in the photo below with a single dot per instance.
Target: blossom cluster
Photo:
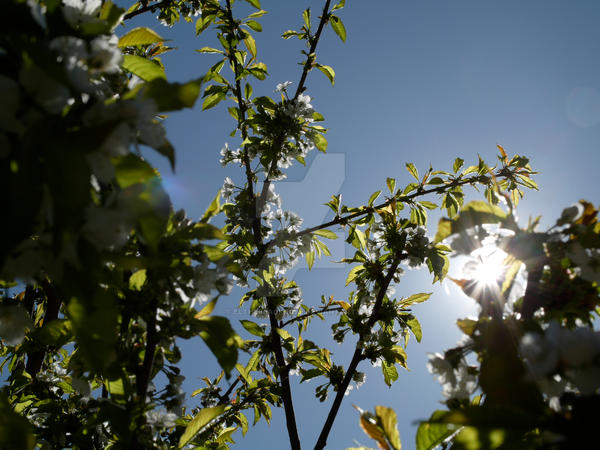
(560, 359)
(458, 379)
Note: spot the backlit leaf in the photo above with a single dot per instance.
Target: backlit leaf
(198, 422)
(140, 36)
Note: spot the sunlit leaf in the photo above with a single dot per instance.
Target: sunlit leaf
(198, 422)
(328, 71)
(253, 328)
(338, 27)
(140, 36)
(389, 422)
(143, 68)
(137, 280)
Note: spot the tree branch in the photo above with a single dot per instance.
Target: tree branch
(309, 314)
(147, 8)
(357, 357)
(371, 209)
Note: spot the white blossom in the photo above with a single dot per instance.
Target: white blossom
(14, 320)
(77, 12)
(282, 87)
(160, 419)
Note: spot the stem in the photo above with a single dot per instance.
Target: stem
(313, 47)
(371, 209)
(309, 314)
(307, 68)
(144, 372)
(284, 379)
(146, 8)
(357, 357)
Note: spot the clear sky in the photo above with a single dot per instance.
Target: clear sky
(419, 81)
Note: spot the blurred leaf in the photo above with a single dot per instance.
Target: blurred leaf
(467, 326)
(15, 430)
(253, 328)
(172, 96)
(198, 422)
(222, 340)
(132, 169)
(143, 68)
(415, 327)
(432, 433)
(213, 209)
(390, 374)
(137, 280)
(389, 422)
(327, 234)
(415, 298)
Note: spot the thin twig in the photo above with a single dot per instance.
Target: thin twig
(371, 209)
(357, 357)
(147, 8)
(309, 314)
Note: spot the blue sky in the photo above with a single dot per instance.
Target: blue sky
(423, 82)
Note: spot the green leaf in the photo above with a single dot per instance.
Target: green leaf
(320, 142)
(391, 184)
(210, 50)
(444, 230)
(140, 36)
(222, 340)
(143, 68)
(327, 234)
(415, 327)
(416, 298)
(203, 23)
(131, 169)
(213, 209)
(338, 27)
(353, 274)
(389, 422)
(328, 71)
(252, 328)
(56, 333)
(432, 433)
(390, 374)
(467, 326)
(137, 280)
(373, 197)
(213, 100)
(412, 170)
(310, 259)
(254, 25)
(458, 163)
(198, 422)
(250, 44)
(173, 96)
(306, 18)
(15, 430)
(255, 3)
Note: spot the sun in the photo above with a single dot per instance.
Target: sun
(488, 266)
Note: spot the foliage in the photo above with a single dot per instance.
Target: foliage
(536, 354)
(109, 276)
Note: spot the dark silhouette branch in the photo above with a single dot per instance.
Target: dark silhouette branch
(153, 7)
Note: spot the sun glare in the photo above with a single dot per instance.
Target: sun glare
(488, 267)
